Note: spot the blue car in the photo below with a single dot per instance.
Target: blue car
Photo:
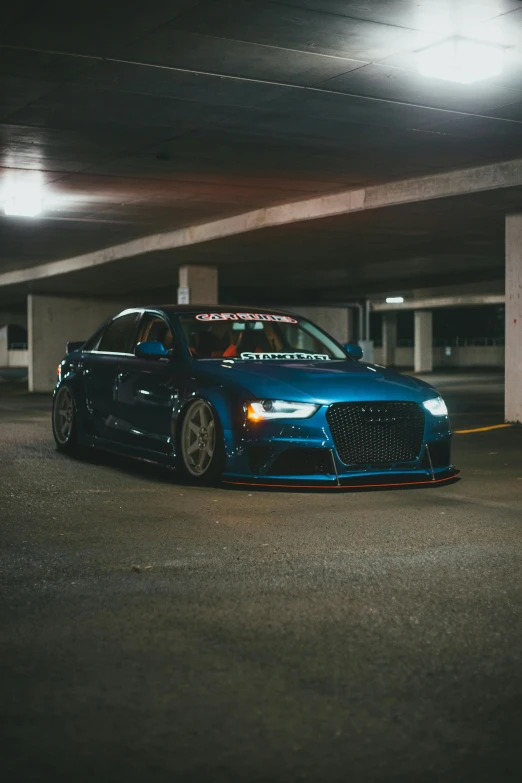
(258, 398)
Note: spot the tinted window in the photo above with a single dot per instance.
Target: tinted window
(92, 342)
(257, 337)
(119, 335)
(153, 328)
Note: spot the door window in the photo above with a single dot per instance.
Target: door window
(153, 328)
(119, 335)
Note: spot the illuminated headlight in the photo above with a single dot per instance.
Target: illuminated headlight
(279, 409)
(436, 406)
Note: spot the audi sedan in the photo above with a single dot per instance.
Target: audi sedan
(259, 398)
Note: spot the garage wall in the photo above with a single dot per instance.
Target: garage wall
(52, 322)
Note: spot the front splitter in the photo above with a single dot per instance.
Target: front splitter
(353, 482)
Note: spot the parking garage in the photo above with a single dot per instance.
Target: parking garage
(319, 158)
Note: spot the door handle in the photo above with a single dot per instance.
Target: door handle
(121, 376)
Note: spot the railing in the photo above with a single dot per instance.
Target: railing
(466, 341)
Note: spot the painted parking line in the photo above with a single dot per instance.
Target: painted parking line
(482, 429)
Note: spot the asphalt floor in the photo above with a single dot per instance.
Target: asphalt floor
(155, 631)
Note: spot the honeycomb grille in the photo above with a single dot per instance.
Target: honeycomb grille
(377, 433)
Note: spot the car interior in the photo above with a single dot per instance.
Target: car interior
(156, 330)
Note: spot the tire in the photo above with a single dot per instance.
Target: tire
(65, 420)
(201, 447)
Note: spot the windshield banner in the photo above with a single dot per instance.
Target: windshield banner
(284, 319)
(285, 356)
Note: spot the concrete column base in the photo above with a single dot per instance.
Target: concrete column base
(423, 341)
(52, 322)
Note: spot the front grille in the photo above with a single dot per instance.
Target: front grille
(377, 433)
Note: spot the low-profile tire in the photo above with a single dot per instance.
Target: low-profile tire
(200, 444)
(65, 420)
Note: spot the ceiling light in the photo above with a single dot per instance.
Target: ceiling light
(23, 194)
(394, 300)
(461, 60)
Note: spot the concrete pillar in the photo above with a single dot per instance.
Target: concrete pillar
(513, 361)
(52, 322)
(198, 285)
(423, 341)
(389, 338)
(4, 355)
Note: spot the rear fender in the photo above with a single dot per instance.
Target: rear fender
(70, 377)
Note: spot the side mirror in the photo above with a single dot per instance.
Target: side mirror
(355, 351)
(151, 350)
(75, 346)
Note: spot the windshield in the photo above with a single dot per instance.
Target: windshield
(256, 337)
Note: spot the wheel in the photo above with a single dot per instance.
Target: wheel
(201, 443)
(65, 426)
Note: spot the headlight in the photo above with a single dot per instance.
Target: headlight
(437, 406)
(279, 409)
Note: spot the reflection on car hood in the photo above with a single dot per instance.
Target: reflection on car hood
(321, 381)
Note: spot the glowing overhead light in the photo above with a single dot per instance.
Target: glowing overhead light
(461, 60)
(394, 300)
(23, 194)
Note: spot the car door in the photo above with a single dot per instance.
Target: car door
(147, 389)
(100, 368)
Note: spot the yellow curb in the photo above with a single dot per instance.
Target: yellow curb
(482, 429)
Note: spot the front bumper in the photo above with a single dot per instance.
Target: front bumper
(376, 481)
(302, 453)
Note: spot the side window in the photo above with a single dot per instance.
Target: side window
(93, 341)
(119, 335)
(153, 328)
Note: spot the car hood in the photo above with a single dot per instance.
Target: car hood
(322, 381)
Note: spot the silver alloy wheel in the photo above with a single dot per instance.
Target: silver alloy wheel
(198, 438)
(63, 414)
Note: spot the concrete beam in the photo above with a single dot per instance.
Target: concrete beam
(18, 317)
(447, 185)
(467, 300)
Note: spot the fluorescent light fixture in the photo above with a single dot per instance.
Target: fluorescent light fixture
(461, 60)
(394, 299)
(23, 194)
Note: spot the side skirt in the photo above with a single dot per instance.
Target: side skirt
(144, 455)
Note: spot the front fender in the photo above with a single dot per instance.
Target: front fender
(227, 405)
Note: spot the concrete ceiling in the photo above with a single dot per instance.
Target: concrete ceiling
(144, 117)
